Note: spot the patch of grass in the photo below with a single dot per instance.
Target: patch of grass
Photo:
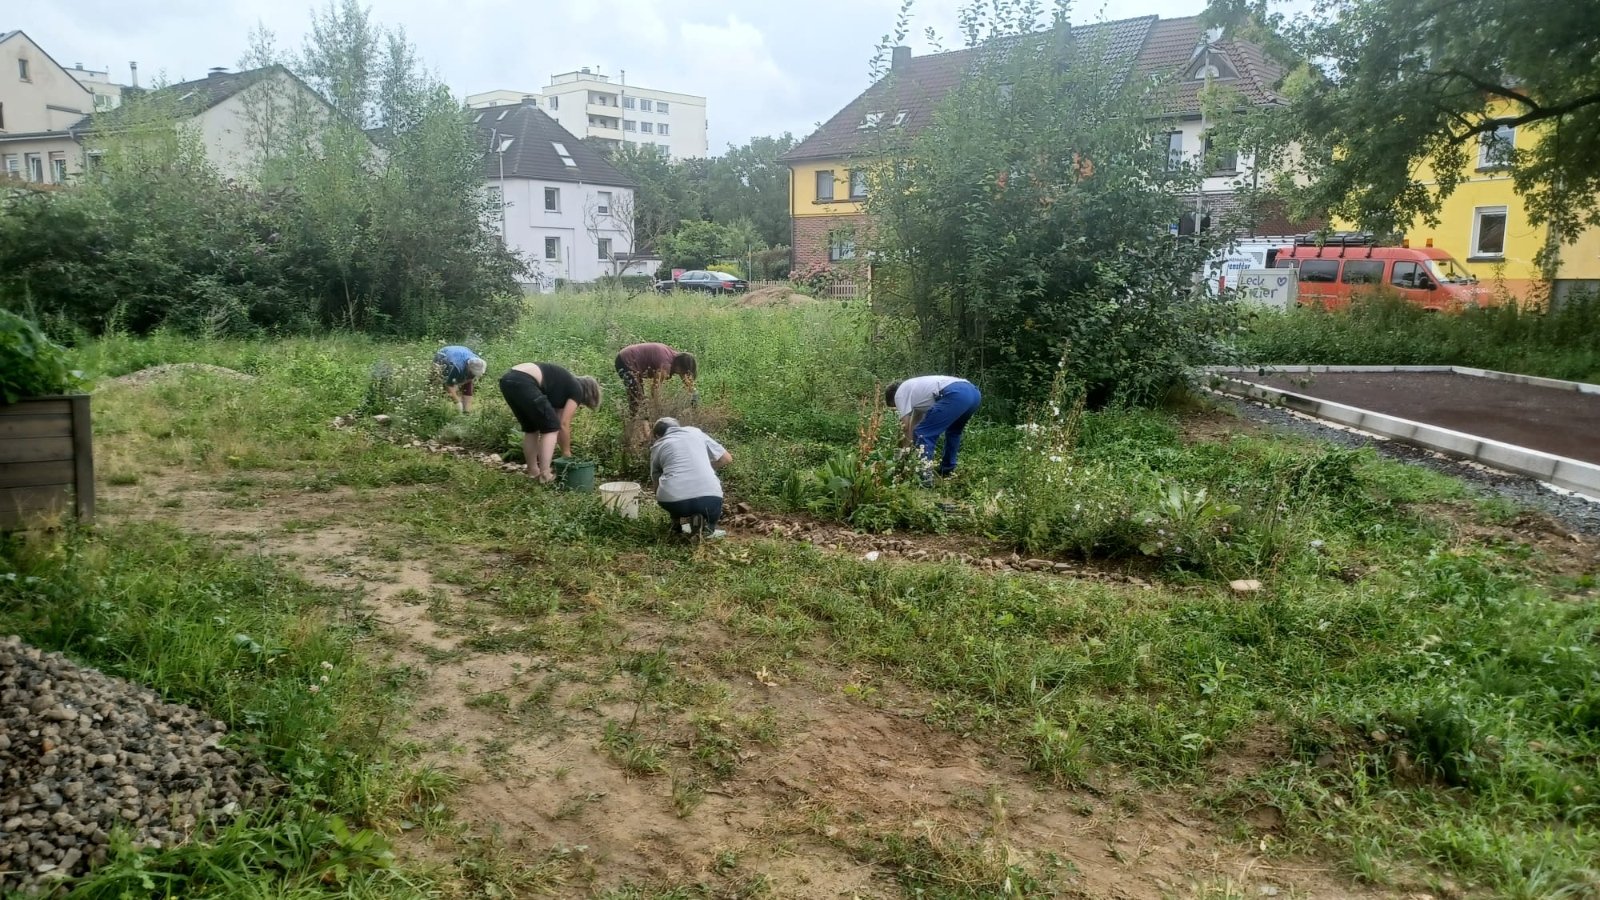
(255, 647)
(1371, 620)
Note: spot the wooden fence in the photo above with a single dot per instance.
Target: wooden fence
(46, 457)
(838, 290)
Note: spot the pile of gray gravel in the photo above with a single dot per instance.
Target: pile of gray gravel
(83, 754)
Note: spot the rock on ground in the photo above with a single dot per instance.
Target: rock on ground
(82, 754)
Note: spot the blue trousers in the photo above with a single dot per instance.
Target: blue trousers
(951, 409)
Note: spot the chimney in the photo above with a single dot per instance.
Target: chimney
(899, 57)
(133, 72)
(529, 98)
(217, 72)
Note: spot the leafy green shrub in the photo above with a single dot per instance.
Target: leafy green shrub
(31, 365)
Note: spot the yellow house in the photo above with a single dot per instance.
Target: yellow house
(828, 178)
(1484, 224)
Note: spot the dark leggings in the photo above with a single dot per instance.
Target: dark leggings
(710, 507)
(633, 384)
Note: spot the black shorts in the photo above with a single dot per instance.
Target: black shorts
(529, 404)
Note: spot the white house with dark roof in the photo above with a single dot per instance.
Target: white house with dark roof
(48, 123)
(563, 207)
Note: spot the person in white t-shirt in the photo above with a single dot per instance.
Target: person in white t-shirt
(931, 406)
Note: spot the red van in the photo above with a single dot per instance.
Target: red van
(1334, 267)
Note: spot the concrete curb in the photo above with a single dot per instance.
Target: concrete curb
(1571, 474)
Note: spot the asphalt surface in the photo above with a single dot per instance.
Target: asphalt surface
(1566, 423)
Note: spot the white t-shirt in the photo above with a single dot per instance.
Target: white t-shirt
(916, 394)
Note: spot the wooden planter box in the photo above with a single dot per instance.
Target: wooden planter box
(46, 460)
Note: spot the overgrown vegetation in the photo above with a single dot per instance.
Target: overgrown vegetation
(1427, 702)
(1564, 343)
(31, 365)
(1031, 217)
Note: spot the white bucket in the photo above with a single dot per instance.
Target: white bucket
(621, 497)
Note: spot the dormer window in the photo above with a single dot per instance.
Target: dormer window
(899, 119)
(870, 120)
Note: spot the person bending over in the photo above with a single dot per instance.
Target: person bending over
(653, 364)
(544, 397)
(684, 463)
(930, 406)
(458, 369)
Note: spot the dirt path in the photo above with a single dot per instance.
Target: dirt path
(603, 748)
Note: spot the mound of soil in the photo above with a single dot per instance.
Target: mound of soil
(176, 370)
(773, 296)
(83, 754)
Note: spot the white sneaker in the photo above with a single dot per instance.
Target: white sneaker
(717, 535)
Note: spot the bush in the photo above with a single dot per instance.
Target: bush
(31, 365)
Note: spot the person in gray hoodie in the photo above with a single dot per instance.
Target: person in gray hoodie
(684, 463)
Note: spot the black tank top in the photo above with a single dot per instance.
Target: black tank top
(559, 385)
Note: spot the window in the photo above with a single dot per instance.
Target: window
(101, 101)
(646, 105)
(1495, 147)
(552, 248)
(602, 203)
(1362, 271)
(825, 184)
(662, 107)
(647, 127)
(1411, 276)
(22, 70)
(858, 184)
(555, 102)
(1489, 231)
(603, 245)
(13, 165)
(1323, 271)
(3, 116)
(1174, 149)
(899, 119)
(629, 125)
(503, 114)
(627, 103)
(35, 164)
(1223, 162)
(662, 129)
(58, 167)
(869, 121)
(566, 158)
(841, 246)
(552, 199)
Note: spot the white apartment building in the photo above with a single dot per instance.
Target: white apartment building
(592, 105)
(107, 93)
(562, 207)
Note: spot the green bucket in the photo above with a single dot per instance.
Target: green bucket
(575, 474)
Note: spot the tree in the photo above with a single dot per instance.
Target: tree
(751, 183)
(665, 196)
(1391, 99)
(1016, 233)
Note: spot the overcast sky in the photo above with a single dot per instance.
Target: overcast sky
(765, 66)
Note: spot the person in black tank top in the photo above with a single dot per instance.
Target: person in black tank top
(544, 397)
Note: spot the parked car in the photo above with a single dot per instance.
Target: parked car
(1348, 262)
(704, 280)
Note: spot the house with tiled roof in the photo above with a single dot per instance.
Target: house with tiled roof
(49, 127)
(561, 205)
(829, 186)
